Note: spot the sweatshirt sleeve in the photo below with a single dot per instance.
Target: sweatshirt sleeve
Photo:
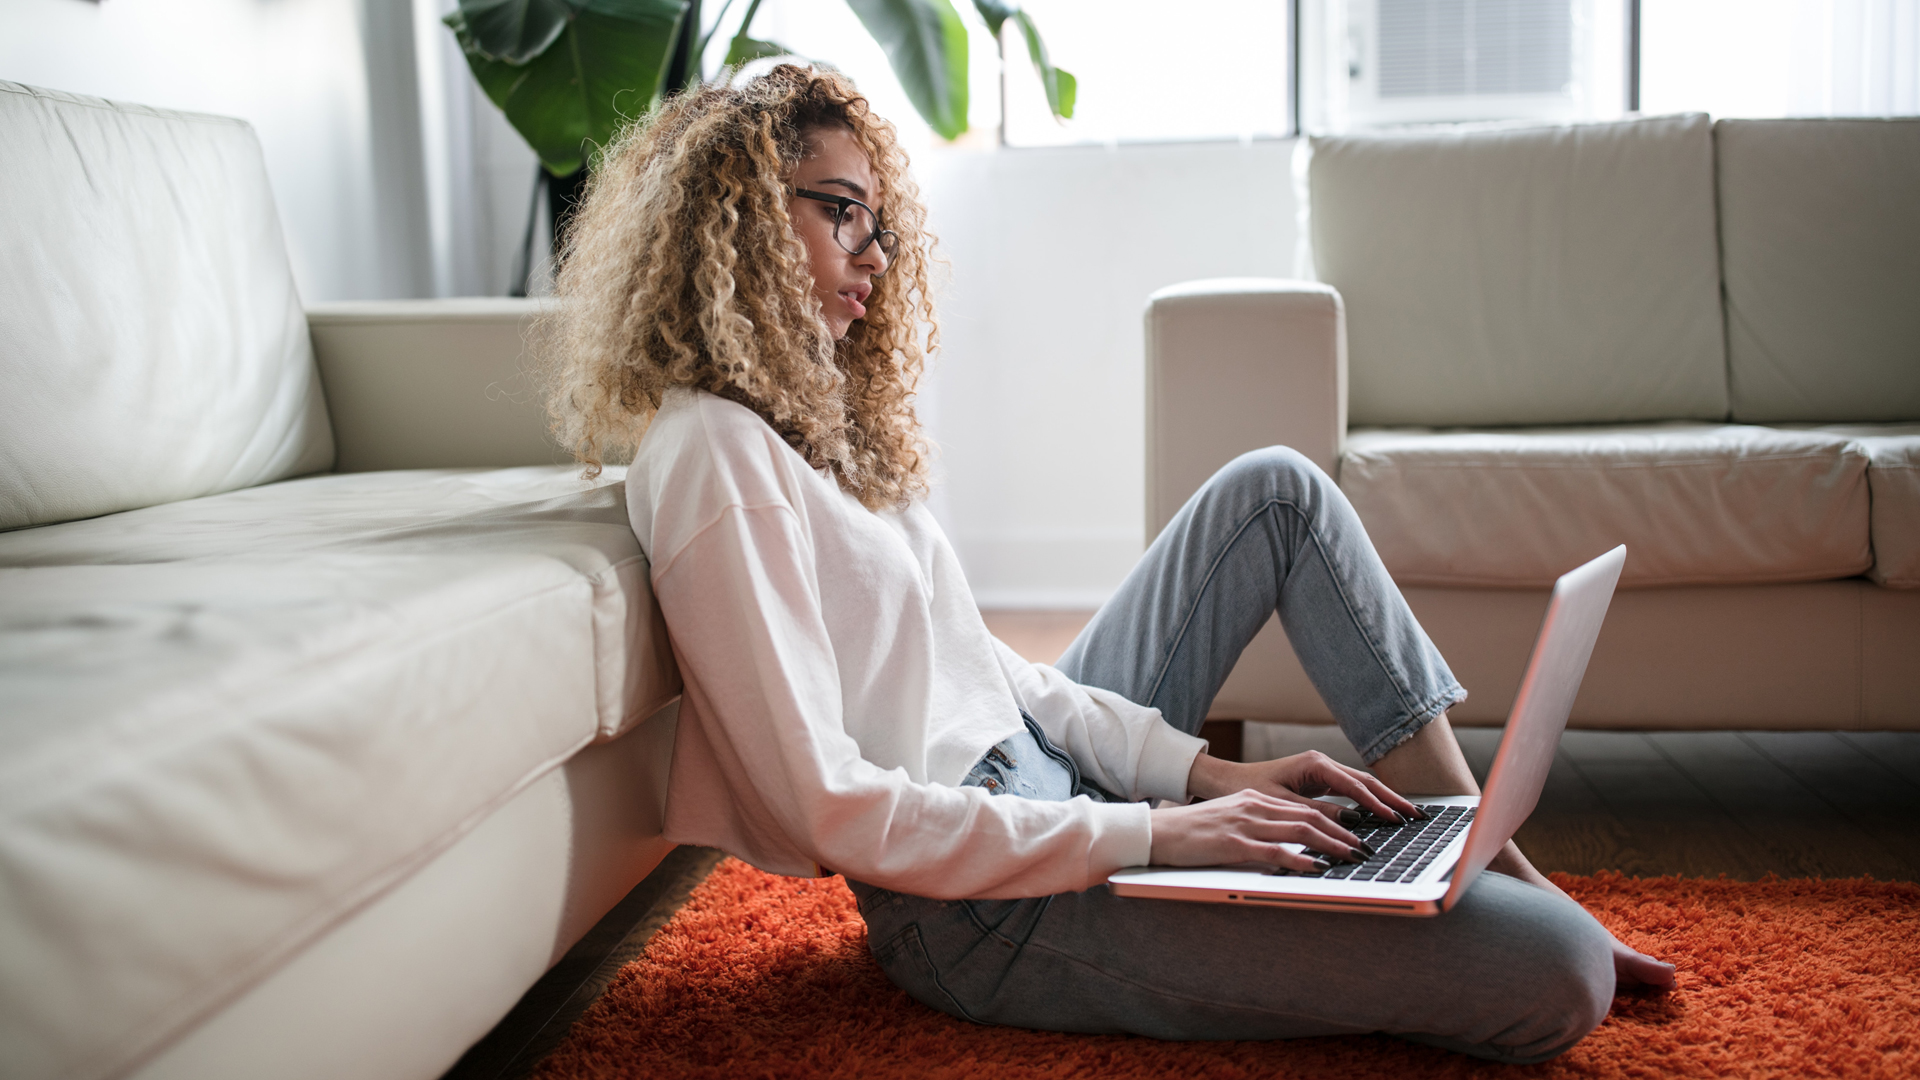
(1126, 748)
(743, 605)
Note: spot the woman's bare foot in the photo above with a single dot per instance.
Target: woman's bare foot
(1630, 967)
(1430, 763)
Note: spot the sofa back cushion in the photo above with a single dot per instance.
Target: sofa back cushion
(151, 343)
(1536, 275)
(1820, 229)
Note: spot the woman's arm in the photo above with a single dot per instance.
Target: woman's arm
(743, 606)
(1124, 747)
(1131, 750)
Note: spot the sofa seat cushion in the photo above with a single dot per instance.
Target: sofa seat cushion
(1893, 478)
(231, 721)
(1695, 504)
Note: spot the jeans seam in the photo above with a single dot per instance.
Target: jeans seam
(974, 918)
(1047, 749)
(1407, 728)
(1320, 547)
(1206, 582)
(918, 945)
(1366, 632)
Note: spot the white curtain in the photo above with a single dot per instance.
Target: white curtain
(477, 172)
(1855, 58)
(1780, 57)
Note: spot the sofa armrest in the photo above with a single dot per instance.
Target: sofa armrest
(1236, 364)
(420, 384)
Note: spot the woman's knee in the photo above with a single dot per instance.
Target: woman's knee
(1273, 472)
(1569, 986)
(1548, 966)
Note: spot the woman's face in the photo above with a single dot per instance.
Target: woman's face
(836, 166)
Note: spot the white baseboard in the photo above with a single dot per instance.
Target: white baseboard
(1040, 600)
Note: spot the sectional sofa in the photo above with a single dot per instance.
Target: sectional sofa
(332, 708)
(1518, 346)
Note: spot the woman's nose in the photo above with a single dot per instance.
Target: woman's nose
(872, 260)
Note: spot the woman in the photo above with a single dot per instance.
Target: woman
(744, 287)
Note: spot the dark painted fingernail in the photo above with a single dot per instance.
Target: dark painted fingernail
(1399, 818)
(1351, 817)
(1356, 855)
(1367, 848)
(1322, 863)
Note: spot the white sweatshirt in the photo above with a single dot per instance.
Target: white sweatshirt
(840, 684)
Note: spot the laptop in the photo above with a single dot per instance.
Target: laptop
(1425, 867)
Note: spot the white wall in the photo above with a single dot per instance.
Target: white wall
(395, 178)
(333, 88)
(1038, 398)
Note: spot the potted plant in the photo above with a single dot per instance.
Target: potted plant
(569, 73)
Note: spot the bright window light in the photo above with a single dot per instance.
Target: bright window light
(1155, 71)
(1382, 63)
(1780, 57)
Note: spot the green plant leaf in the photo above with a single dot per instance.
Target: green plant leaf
(604, 69)
(926, 43)
(746, 50)
(1061, 86)
(515, 30)
(995, 13)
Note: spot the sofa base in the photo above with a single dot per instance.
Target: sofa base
(1832, 655)
(400, 989)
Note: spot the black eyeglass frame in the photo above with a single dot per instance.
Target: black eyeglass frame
(889, 240)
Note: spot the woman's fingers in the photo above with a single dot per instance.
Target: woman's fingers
(1273, 820)
(1371, 793)
(1334, 816)
(1288, 859)
(1314, 773)
(1250, 826)
(1398, 802)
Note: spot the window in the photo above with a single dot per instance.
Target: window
(1153, 71)
(1421, 61)
(1780, 57)
(1470, 48)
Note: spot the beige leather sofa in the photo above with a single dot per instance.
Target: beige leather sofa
(332, 710)
(1528, 344)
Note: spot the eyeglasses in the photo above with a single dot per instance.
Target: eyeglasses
(855, 225)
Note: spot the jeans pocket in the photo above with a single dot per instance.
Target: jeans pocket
(871, 899)
(904, 958)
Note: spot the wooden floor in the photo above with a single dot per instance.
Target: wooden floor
(1697, 804)
(516, 1045)
(1700, 804)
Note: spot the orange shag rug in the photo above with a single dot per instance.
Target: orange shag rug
(762, 976)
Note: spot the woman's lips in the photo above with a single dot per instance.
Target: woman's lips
(852, 297)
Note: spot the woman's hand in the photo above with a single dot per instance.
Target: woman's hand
(1298, 779)
(1249, 827)
(1253, 809)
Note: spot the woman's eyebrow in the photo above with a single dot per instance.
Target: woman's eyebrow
(858, 191)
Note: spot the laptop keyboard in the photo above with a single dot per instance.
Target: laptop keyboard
(1404, 851)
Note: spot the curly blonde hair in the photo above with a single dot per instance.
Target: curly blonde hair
(682, 268)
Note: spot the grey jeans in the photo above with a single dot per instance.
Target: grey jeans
(1513, 973)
